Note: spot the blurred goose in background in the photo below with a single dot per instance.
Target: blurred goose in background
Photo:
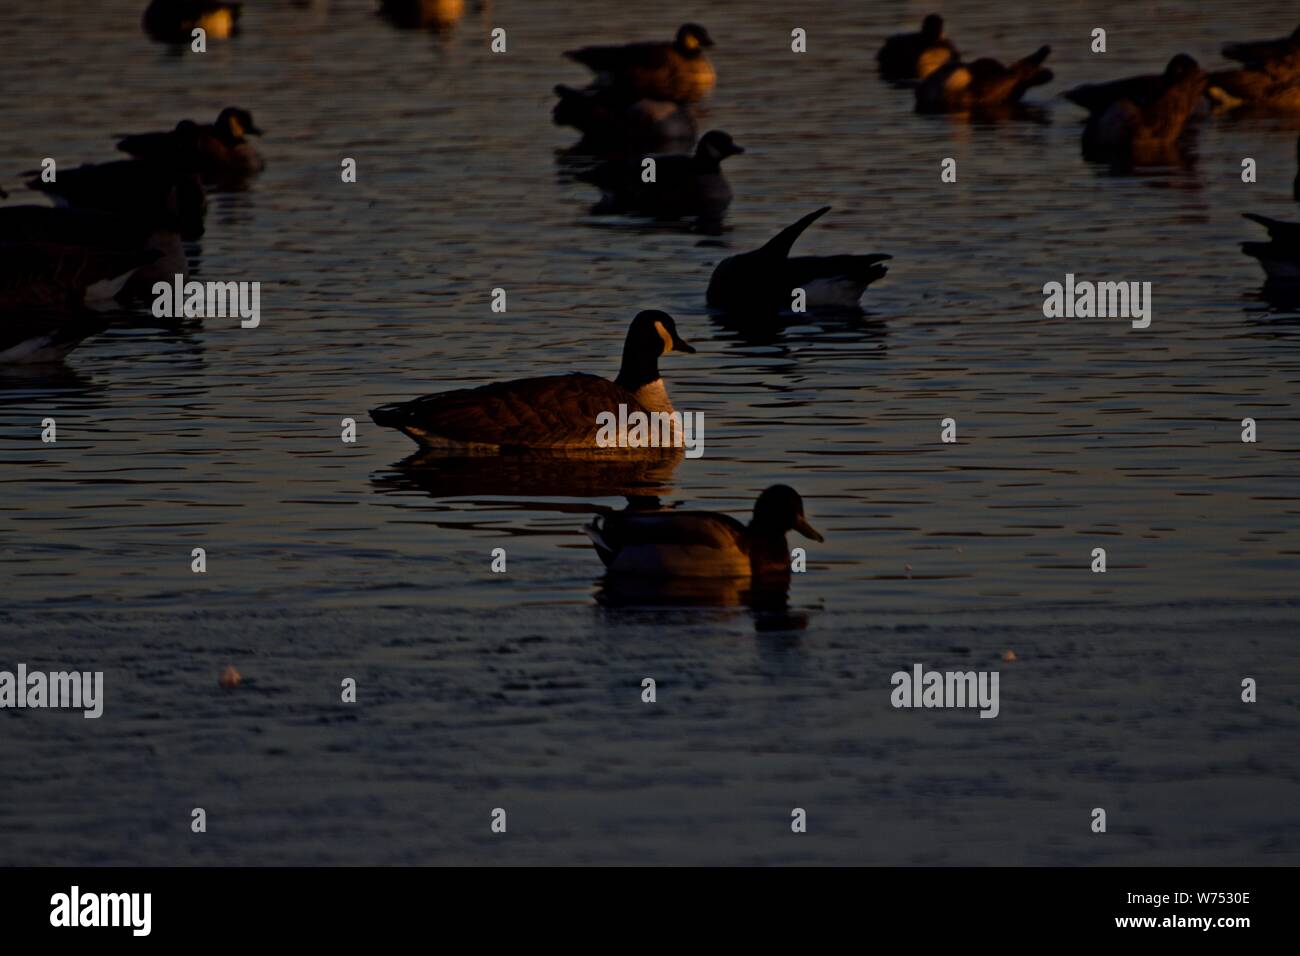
(684, 185)
(165, 207)
(677, 71)
(39, 337)
(1099, 97)
(555, 411)
(174, 21)
(1273, 89)
(1145, 131)
(1280, 256)
(616, 123)
(47, 276)
(79, 245)
(958, 87)
(217, 153)
(914, 56)
(1260, 54)
(136, 190)
(668, 544)
(763, 281)
(436, 15)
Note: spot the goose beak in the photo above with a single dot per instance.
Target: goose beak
(254, 130)
(681, 345)
(808, 531)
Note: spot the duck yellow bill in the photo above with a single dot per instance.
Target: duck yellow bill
(808, 531)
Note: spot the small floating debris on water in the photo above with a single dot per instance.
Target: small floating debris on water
(1009, 656)
(229, 678)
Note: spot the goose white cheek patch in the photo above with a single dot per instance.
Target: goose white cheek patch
(624, 429)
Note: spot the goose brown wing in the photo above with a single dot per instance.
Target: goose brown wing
(557, 410)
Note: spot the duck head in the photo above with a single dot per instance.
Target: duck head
(715, 146)
(691, 39)
(780, 509)
(234, 124)
(932, 28)
(652, 334)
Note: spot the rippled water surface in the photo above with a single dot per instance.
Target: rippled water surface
(522, 690)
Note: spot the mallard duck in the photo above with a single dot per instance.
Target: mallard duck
(957, 87)
(1279, 257)
(684, 185)
(1260, 54)
(914, 56)
(612, 122)
(668, 544)
(217, 152)
(136, 190)
(677, 71)
(1099, 97)
(555, 411)
(763, 281)
(1146, 131)
(174, 21)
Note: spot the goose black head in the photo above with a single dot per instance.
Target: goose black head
(652, 334)
(691, 38)
(236, 123)
(932, 28)
(1180, 67)
(715, 146)
(780, 509)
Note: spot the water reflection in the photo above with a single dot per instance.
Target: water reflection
(546, 474)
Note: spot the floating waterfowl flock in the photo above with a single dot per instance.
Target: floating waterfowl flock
(123, 223)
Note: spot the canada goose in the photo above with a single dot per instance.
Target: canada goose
(683, 185)
(39, 337)
(555, 411)
(433, 15)
(1270, 90)
(1280, 256)
(612, 122)
(1145, 132)
(1295, 189)
(1099, 97)
(914, 56)
(46, 276)
(669, 544)
(217, 152)
(103, 240)
(763, 281)
(136, 190)
(174, 21)
(957, 87)
(677, 71)
(1258, 54)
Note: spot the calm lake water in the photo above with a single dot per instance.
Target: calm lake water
(522, 691)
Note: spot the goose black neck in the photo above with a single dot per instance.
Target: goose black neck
(640, 366)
